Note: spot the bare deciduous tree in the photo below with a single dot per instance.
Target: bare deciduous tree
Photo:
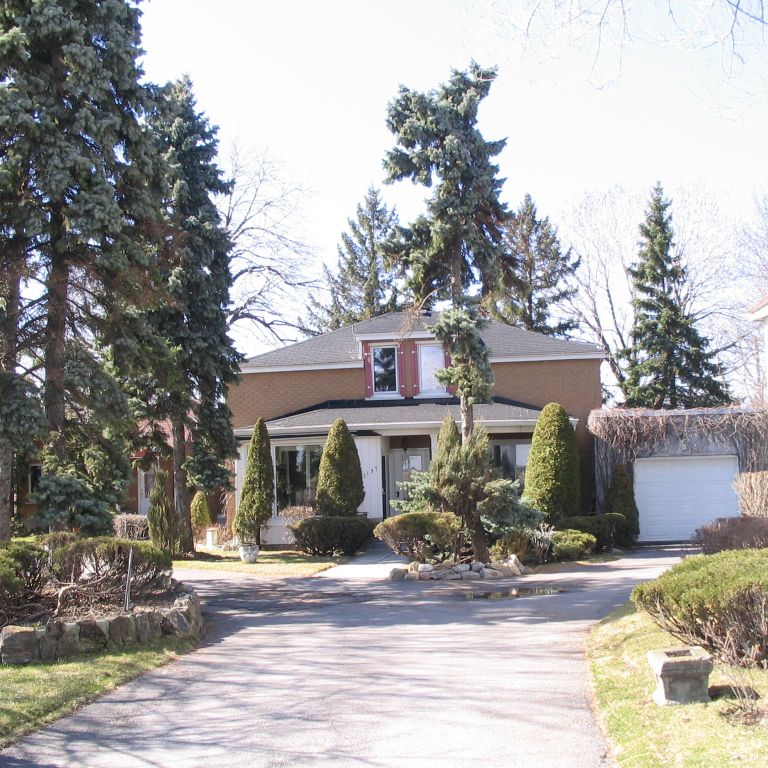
(269, 259)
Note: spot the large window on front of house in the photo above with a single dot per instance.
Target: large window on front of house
(510, 458)
(296, 468)
(384, 366)
(431, 360)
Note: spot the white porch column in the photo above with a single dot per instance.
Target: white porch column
(433, 444)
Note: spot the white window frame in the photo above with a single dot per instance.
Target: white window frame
(429, 392)
(388, 394)
(515, 442)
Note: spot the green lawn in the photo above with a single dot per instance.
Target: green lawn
(645, 735)
(35, 694)
(271, 564)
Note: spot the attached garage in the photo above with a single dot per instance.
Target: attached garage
(676, 495)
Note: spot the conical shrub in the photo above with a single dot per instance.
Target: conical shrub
(258, 492)
(340, 479)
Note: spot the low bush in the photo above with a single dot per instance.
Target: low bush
(331, 535)
(103, 562)
(10, 584)
(30, 564)
(732, 533)
(717, 601)
(200, 514)
(514, 542)
(610, 529)
(422, 536)
(295, 513)
(541, 542)
(134, 527)
(503, 510)
(572, 545)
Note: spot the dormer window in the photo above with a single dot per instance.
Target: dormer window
(431, 359)
(384, 367)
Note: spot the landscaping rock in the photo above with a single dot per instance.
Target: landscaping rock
(491, 573)
(68, 642)
(425, 568)
(47, 648)
(477, 566)
(469, 575)
(149, 626)
(18, 645)
(398, 574)
(94, 635)
(411, 576)
(122, 629)
(189, 605)
(425, 575)
(461, 567)
(414, 565)
(441, 574)
(176, 623)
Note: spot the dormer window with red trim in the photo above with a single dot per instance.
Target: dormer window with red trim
(384, 369)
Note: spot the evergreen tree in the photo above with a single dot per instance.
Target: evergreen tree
(363, 286)
(552, 474)
(258, 492)
(200, 513)
(534, 274)
(621, 499)
(189, 381)
(339, 479)
(162, 521)
(448, 440)
(669, 363)
(72, 136)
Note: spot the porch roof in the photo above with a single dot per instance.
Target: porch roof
(396, 415)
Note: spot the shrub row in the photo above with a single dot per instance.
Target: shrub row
(610, 530)
(732, 533)
(331, 535)
(717, 601)
(572, 545)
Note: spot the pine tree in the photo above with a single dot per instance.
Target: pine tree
(162, 520)
(534, 274)
(71, 129)
(258, 492)
(339, 478)
(552, 474)
(669, 363)
(190, 378)
(363, 286)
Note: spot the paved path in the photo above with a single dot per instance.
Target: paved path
(346, 672)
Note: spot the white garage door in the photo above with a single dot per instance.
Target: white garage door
(675, 496)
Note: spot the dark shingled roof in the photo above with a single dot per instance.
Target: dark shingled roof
(342, 346)
(362, 414)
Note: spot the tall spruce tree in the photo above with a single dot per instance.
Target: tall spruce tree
(72, 106)
(363, 286)
(189, 382)
(669, 364)
(534, 275)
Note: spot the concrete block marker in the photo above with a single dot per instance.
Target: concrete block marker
(682, 675)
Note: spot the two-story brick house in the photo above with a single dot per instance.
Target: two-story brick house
(378, 375)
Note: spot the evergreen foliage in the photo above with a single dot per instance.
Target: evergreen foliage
(363, 286)
(78, 172)
(669, 364)
(620, 499)
(200, 513)
(340, 479)
(258, 492)
(552, 474)
(162, 519)
(535, 275)
(194, 359)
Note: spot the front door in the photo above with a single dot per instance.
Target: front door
(401, 464)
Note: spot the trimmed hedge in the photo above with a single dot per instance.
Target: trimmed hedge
(732, 533)
(30, 563)
(104, 559)
(340, 488)
(717, 601)
(621, 500)
(425, 536)
(572, 545)
(331, 535)
(610, 529)
(133, 527)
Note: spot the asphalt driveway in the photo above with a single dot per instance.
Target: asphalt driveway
(354, 672)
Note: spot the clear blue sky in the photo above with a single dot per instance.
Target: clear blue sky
(311, 82)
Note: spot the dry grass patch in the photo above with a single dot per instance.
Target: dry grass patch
(645, 735)
(35, 694)
(271, 564)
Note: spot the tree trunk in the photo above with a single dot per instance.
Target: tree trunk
(479, 540)
(467, 418)
(8, 342)
(55, 334)
(180, 487)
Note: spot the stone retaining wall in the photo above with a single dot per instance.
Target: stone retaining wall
(60, 639)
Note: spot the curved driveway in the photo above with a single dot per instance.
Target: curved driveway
(346, 672)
